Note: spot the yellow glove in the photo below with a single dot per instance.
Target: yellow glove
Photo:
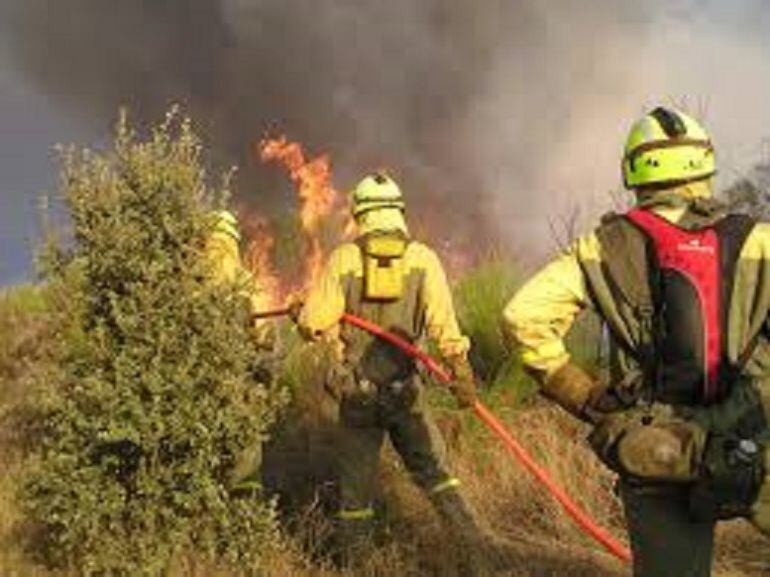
(294, 303)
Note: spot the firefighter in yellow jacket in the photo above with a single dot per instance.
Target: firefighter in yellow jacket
(388, 278)
(683, 287)
(222, 251)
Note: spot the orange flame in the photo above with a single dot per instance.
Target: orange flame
(318, 197)
(258, 258)
(324, 217)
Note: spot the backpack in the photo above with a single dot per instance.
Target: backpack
(390, 295)
(681, 287)
(383, 265)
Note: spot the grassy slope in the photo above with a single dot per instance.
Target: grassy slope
(536, 537)
(22, 350)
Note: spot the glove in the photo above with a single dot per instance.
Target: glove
(294, 308)
(463, 385)
(576, 392)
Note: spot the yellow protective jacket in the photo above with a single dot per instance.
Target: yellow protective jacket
(222, 252)
(427, 294)
(545, 308)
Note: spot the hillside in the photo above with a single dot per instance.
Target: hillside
(532, 534)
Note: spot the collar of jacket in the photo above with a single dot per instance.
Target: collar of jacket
(690, 206)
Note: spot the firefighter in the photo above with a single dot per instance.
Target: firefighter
(399, 283)
(222, 250)
(683, 287)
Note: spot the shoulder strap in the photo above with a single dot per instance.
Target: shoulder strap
(632, 268)
(733, 231)
(617, 237)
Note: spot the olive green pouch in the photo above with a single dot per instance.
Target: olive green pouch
(666, 451)
(384, 267)
(650, 443)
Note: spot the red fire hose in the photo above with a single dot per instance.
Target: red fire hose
(583, 519)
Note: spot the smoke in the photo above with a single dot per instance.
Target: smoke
(495, 116)
(589, 75)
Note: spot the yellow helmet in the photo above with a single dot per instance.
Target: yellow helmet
(667, 148)
(226, 223)
(375, 191)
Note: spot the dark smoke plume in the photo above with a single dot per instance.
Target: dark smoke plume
(494, 114)
(375, 83)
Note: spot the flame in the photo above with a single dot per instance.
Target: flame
(258, 258)
(324, 216)
(318, 197)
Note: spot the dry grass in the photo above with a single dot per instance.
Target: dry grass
(534, 536)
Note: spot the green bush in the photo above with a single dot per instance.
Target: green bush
(151, 399)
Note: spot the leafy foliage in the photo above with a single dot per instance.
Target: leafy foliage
(150, 400)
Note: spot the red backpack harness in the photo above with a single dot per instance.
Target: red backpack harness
(695, 255)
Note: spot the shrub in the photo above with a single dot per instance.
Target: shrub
(151, 399)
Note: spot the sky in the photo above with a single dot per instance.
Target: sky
(30, 126)
(498, 117)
